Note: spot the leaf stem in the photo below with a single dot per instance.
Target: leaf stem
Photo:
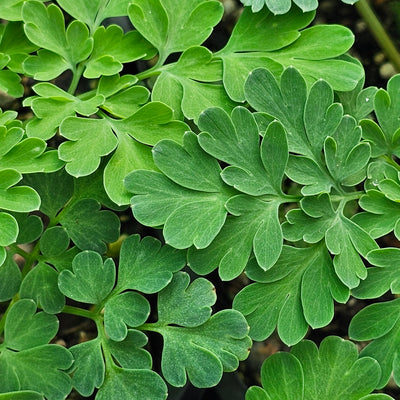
(390, 161)
(30, 259)
(80, 312)
(152, 326)
(346, 197)
(77, 74)
(379, 32)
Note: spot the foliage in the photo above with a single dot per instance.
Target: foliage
(259, 161)
(283, 6)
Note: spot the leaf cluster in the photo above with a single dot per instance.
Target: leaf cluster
(265, 160)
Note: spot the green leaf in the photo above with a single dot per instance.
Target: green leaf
(128, 383)
(344, 154)
(80, 133)
(112, 48)
(30, 227)
(186, 305)
(344, 238)
(126, 309)
(54, 241)
(235, 140)
(54, 189)
(94, 12)
(310, 121)
(10, 276)
(383, 137)
(30, 156)
(359, 102)
(21, 395)
(129, 352)
(11, 9)
(18, 198)
(90, 281)
(332, 372)
(126, 102)
(89, 227)
(146, 266)
(24, 329)
(379, 322)
(14, 47)
(39, 369)
(8, 229)
(129, 156)
(172, 29)
(40, 285)
(45, 27)
(383, 212)
(88, 368)
(200, 199)
(277, 371)
(256, 393)
(45, 65)
(254, 226)
(204, 352)
(249, 48)
(192, 84)
(52, 106)
(299, 291)
(382, 278)
(147, 125)
(277, 44)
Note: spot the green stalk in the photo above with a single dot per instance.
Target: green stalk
(77, 74)
(80, 312)
(379, 32)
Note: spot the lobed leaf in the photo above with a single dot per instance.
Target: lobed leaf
(89, 227)
(205, 351)
(172, 29)
(379, 322)
(382, 278)
(344, 239)
(178, 198)
(88, 368)
(331, 372)
(27, 362)
(186, 305)
(126, 309)
(52, 106)
(90, 280)
(299, 291)
(112, 48)
(383, 134)
(139, 383)
(92, 13)
(45, 27)
(10, 276)
(254, 226)
(192, 84)
(11, 9)
(129, 352)
(146, 266)
(40, 285)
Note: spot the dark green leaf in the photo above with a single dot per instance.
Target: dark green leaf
(146, 266)
(40, 284)
(89, 227)
(90, 281)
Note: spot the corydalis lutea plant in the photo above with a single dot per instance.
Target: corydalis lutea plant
(245, 158)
